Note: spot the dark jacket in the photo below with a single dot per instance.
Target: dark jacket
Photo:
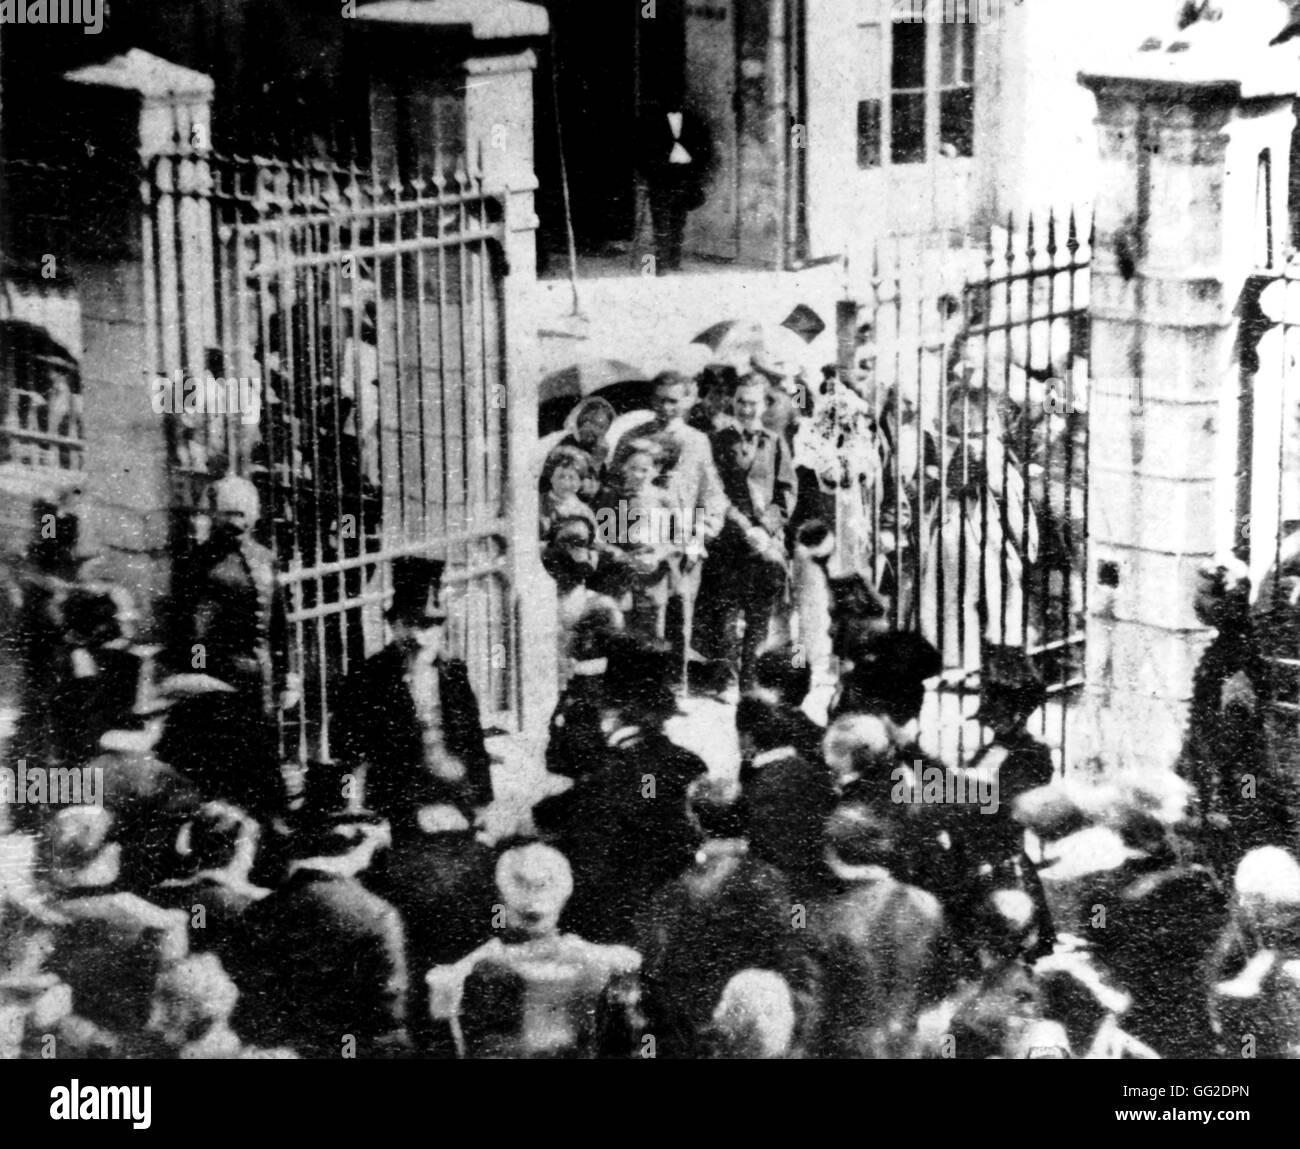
(576, 743)
(319, 958)
(656, 143)
(625, 831)
(787, 800)
(878, 942)
(443, 886)
(376, 729)
(729, 912)
(223, 906)
(110, 953)
(227, 599)
(759, 482)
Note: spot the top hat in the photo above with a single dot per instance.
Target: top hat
(1007, 676)
(641, 674)
(852, 596)
(417, 591)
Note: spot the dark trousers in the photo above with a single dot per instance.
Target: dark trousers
(739, 586)
(668, 217)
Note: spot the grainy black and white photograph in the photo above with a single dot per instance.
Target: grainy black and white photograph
(650, 530)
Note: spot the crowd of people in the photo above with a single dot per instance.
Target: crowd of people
(705, 518)
(847, 895)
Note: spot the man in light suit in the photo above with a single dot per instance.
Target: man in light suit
(747, 567)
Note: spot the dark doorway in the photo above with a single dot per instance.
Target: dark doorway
(608, 60)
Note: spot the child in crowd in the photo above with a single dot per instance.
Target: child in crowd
(634, 521)
(590, 423)
(563, 476)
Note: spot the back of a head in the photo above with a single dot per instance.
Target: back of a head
(594, 631)
(638, 679)
(201, 983)
(215, 834)
(1268, 876)
(78, 838)
(785, 672)
(857, 740)
(857, 835)
(755, 1016)
(714, 804)
(762, 720)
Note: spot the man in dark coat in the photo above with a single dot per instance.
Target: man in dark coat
(1227, 755)
(788, 795)
(110, 944)
(231, 652)
(408, 717)
(745, 573)
(1010, 765)
(576, 743)
(879, 942)
(782, 678)
(730, 911)
(675, 163)
(440, 879)
(218, 846)
(625, 827)
(321, 960)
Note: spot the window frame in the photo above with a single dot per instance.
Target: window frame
(876, 88)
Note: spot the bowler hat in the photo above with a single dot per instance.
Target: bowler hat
(417, 591)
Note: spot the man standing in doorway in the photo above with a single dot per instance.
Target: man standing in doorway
(675, 159)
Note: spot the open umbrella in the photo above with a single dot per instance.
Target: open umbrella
(561, 391)
(777, 347)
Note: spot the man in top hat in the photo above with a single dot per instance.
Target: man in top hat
(408, 716)
(54, 566)
(624, 827)
(1012, 764)
(111, 944)
(230, 659)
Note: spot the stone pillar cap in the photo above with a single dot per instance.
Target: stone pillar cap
(143, 72)
(482, 19)
(1238, 53)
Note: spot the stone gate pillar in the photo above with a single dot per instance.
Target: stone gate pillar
(451, 81)
(1195, 130)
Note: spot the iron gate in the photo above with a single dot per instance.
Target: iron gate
(361, 321)
(968, 503)
(1268, 482)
